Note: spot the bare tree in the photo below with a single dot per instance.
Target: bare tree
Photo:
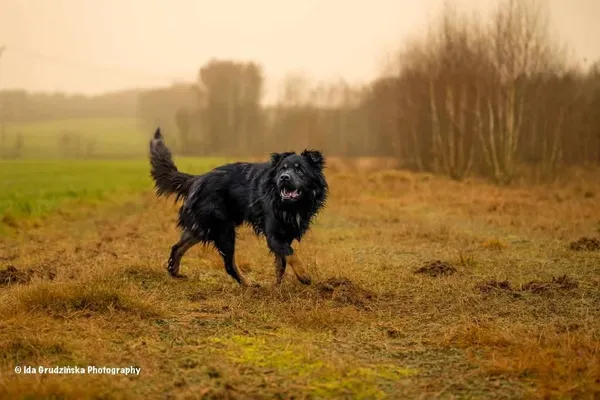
(519, 49)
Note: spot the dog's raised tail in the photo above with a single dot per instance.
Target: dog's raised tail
(167, 178)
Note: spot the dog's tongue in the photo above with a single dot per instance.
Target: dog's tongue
(287, 193)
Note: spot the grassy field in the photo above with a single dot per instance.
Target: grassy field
(101, 138)
(422, 288)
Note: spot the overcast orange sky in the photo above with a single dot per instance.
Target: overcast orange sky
(91, 46)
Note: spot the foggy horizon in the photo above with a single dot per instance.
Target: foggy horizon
(90, 48)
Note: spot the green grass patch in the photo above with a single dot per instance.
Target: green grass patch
(35, 188)
(325, 377)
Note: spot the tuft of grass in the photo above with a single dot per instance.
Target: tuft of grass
(494, 244)
(20, 350)
(72, 299)
(466, 260)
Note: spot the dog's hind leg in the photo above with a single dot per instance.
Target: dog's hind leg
(225, 244)
(186, 242)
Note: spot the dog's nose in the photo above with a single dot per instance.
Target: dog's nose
(285, 177)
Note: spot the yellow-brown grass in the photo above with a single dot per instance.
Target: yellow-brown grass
(505, 323)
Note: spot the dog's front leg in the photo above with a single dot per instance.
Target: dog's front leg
(284, 254)
(280, 264)
(281, 249)
(297, 266)
(299, 270)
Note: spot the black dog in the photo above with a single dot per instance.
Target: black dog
(278, 199)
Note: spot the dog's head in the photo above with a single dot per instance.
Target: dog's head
(298, 176)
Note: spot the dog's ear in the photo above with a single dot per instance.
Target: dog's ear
(315, 158)
(277, 157)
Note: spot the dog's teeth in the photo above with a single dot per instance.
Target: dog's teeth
(287, 194)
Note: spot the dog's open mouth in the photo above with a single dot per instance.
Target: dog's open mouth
(287, 194)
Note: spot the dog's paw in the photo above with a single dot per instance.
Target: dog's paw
(304, 279)
(173, 267)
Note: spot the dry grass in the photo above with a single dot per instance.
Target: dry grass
(506, 309)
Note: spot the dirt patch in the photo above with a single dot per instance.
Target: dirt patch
(560, 283)
(436, 268)
(12, 275)
(585, 244)
(556, 284)
(498, 287)
(494, 285)
(345, 292)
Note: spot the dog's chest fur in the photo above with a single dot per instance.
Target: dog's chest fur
(292, 218)
(295, 223)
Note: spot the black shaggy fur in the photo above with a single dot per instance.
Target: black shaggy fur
(278, 199)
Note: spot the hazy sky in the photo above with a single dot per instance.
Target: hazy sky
(96, 45)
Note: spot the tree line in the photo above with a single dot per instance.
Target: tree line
(22, 106)
(473, 96)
